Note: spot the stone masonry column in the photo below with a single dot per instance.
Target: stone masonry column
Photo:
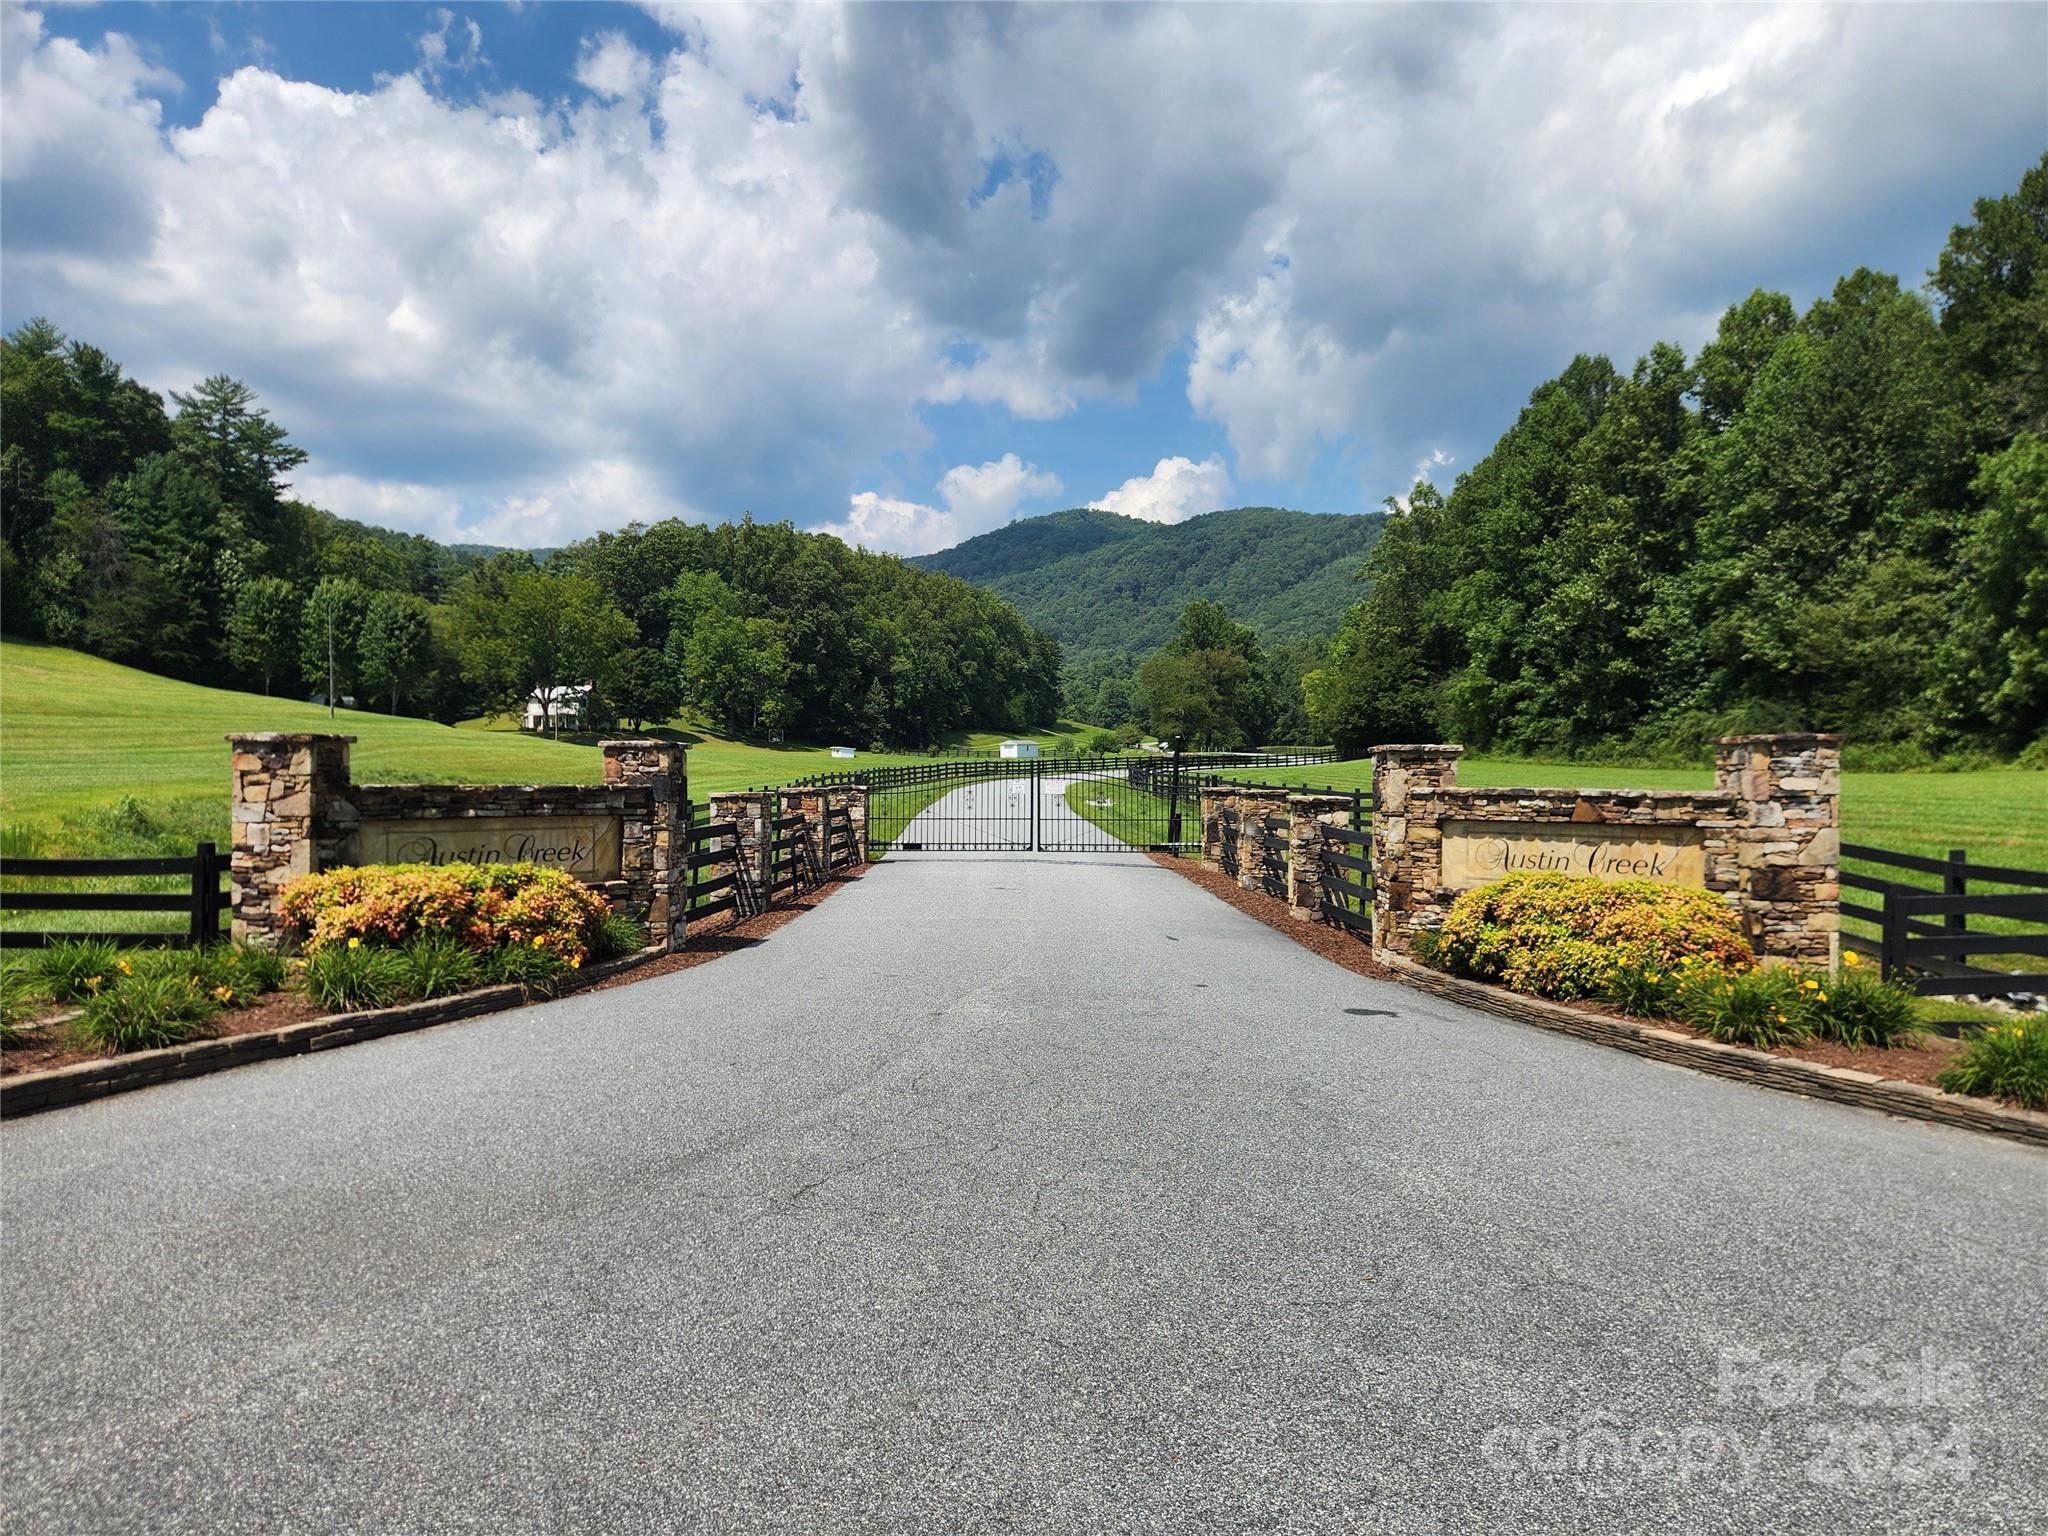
(1789, 849)
(748, 810)
(1407, 842)
(1307, 816)
(1215, 801)
(810, 803)
(853, 799)
(1253, 807)
(663, 768)
(292, 813)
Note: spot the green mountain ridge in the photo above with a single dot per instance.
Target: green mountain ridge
(1105, 585)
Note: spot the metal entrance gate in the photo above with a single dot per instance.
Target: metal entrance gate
(1070, 804)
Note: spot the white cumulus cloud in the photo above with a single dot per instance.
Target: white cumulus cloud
(1176, 490)
(974, 498)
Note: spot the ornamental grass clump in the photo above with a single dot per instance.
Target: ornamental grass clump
(482, 907)
(157, 1006)
(1568, 936)
(1858, 1007)
(1763, 1008)
(2004, 1061)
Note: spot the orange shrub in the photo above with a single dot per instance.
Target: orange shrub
(1566, 935)
(481, 906)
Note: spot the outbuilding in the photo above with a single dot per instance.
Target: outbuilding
(1019, 749)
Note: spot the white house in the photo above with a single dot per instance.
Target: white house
(1018, 749)
(570, 703)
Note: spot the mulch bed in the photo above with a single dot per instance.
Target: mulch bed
(52, 1046)
(1919, 1063)
(1340, 946)
(745, 934)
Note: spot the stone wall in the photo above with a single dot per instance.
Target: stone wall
(1257, 868)
(1789, 848)
(750, 811)
(298, 812)
(1764, 837)
(1217, 802)
(1308, 814)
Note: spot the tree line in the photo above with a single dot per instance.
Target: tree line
(165, 537)
(1832, 520)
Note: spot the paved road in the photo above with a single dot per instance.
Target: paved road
(1012, 1193)
(997, 815)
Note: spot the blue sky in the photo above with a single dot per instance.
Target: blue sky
(517, 273)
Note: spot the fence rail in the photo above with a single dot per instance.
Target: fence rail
(712, 846)
(1924, 939)
(203, 901)
(1347, 878)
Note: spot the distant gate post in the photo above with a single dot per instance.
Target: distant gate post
(748, 810)
(1789, 853)
(662, 849)
(291, 815)
(1307, 816)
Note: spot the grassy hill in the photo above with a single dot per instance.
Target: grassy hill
(97, 758)
(1102, 584)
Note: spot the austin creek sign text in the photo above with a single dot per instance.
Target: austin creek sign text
(584, 846)
(1476, 852)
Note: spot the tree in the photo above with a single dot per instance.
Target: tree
(528, 634)
(1206, 684)
(641, 686)
(263, 627)
(330, 636)
(1994, 659)
(397, 643)
(220, 430)
(1992, 283)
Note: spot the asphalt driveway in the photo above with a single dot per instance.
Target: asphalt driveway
(1013, 1193)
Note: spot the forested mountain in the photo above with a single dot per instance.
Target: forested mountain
(1834, 520)
(168, 540)
(1107, 586)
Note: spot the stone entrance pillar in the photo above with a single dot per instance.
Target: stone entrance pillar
(1789, 852)
(291, 814)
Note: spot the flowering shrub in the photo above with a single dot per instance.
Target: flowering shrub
(1567, 936)
(480, 906)
(2006, 1061)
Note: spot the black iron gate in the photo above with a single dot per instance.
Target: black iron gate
(1073, 803)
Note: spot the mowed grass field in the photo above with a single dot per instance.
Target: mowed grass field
(82, 739)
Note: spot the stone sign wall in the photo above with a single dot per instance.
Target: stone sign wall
(1478, 852)
(298, 812)
(1764, 838)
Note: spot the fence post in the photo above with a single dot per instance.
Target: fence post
(205, 928)
(1891, 959)
(1173, 804)
(1955, 882)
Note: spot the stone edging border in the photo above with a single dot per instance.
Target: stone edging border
(1841, 1085)
(33, 1092)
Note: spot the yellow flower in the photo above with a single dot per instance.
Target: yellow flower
(1822, 996)
(1810, 984)
(1781, 1018)
(576, 964)
(1653, 978)
(225, 994)
(1851, 959)
(92, 983)
(539, 939)
(355, 943)
(124, 967)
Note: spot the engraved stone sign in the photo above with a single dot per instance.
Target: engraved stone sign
(1477, 852)
(585, 846)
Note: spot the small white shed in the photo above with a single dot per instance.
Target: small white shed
(1019, 749)
(842, 751)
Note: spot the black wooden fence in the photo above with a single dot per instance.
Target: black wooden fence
(714, 876)
(1924, 938)
(1347, 877)
(202, 901)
